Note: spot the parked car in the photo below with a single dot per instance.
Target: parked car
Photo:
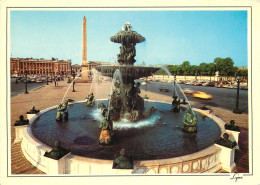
(244, 87)
(232, 87)
(211, 84)
(206, 84)
(202, 95)
(226, 86)
(197, 84)
(164, 89)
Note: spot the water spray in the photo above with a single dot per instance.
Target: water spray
(168, 72)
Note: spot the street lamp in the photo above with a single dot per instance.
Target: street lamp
(47, 78)
(73, 74)
(174, 95)
(26, 92)
(55, 80)
(237, 110)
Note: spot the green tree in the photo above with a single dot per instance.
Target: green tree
(225, 66)
(203, 68)
(193, 70)
(161, 72)
(185, 63)
(185, 68)
(179, 70)
(211, 69)
(172, 68)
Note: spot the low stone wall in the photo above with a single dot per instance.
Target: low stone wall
(204, 161)
(190, 78)
(33, 149)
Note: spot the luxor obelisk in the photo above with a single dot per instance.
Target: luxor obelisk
(85, 65)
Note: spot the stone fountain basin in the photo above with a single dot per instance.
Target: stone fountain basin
(204, 160)
(129, 73)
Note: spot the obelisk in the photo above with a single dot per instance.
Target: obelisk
(85, 67)
(84, 42)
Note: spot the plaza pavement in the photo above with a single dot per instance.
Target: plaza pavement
(49, 95)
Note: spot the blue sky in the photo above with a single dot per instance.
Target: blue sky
(171, 36)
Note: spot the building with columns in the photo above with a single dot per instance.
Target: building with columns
(39, 67)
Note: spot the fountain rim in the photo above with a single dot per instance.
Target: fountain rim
(35, 143)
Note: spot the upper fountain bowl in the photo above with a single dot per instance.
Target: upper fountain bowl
(127, 36)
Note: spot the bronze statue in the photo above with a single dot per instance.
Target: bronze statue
(90, 100)
(232, 126)
(33, 111)
(21, 121)
(57, 152)
(123, 161)
(60, 111)
(176, 104)
(106, 127)
(190, 121)
(224, 141)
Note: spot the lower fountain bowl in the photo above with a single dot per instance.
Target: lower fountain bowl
(158, 144)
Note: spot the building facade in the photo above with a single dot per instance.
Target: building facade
(76, 68)
(39, 67)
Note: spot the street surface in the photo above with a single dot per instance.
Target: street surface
(20, 87)
(222, 97)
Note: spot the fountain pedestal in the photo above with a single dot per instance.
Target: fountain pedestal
(55, 167)
(56, 159)
(19, 133)
(30, 116)
(227, 158)
(19, 126)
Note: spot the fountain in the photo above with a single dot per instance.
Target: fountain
(123, 132)
(127, 104)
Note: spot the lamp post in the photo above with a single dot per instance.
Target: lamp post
(26, 92)
(47, 79)
(55, 79)
(73, 74)
(146, 84)
(237, 110)
(174, 95)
